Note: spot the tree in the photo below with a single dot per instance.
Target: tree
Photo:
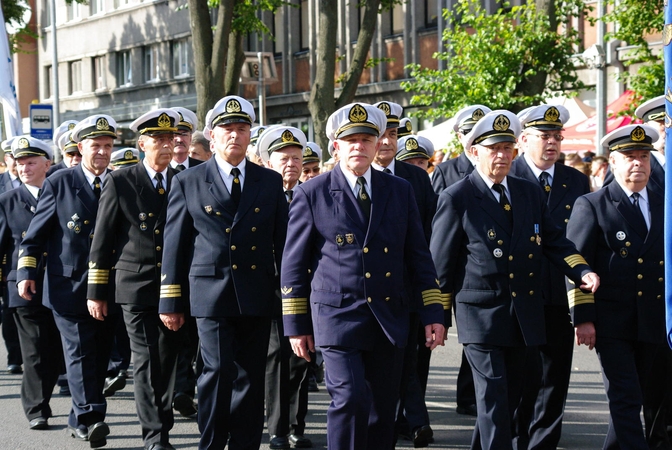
(323, 102)
(510, 59)
(218, 48)
(638, 20)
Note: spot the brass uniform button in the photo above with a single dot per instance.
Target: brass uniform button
(387, 299)
(532, 238)
(367, 275)
(640, 261)
(510, 257)
(661, 263)
(365, 249)
(158, 248)
(158, 264)
(157, 231)
(234, 267)
(388, 274)
(568, 207)
(500, 242)
(218, 213)
(368, 299)
(660, 280)
(151, 214)
(531, 274)
(531, 292)
(511, 276)
(385, 249)
(253, 267)
(254, 247)
(640, 293)
(256, 210)
(566, 220)
(228, 230)
(628, 244)
(44, 254)
(639, 276)
(86, 222)
(91, 235)
(530, 256)
(254, 229)
(233, 247)
(513, 294)
(309, 271)
(659, 297)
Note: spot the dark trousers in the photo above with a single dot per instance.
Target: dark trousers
(658, 402)
(10, 333)
(185, 377)
(286, 385)
(120, 357)
(364, 390)
(412, 410)
(498, 374)
(231, 387)
(465, 393)
(87, 343)
(42, 356)
(547, 371)
(154, 350)
(625, 369)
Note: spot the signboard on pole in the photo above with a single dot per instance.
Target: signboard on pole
(41, 126)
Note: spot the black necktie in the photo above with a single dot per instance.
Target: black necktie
(641, 222)
(386, 170)
(180, 167)
(290, 195)
(235, 186)
(363, 198)
(96, 187)
(160, 189)
(543, 180)
(39, 192)
(503, 200)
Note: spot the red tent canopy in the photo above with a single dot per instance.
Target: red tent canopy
(581, 137)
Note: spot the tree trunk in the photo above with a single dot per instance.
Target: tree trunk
(210, 52)
(359, 57)
(235, 61)
(321, 104)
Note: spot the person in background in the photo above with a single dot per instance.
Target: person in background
(312, 159)
(65, 145)
(185, 127)
(598, 170)
(415, 150)
(200, 147)
(124, 157)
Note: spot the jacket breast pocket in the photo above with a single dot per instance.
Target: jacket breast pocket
(327, 298)
(127, 266)
(475, 296)
(202, 270)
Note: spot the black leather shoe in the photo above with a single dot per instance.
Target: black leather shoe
(422, 436)
(114, 384)
(469, 410)
(279, 442)
(300, 441)
(184, 404)
(39, 423)
(312, 385)
(14, 369)
(98, 434)
(80, 434)
(64, 390)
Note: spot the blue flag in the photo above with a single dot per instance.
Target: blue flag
(667, 58)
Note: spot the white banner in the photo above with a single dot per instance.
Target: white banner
(10, 104)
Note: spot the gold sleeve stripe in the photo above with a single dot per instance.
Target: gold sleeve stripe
(574, 260)
(27, 261)
(447, 300)
(431, 297)
(576, 297)
(4, 259)
(99, 276)
(171, 291)
(294, 306)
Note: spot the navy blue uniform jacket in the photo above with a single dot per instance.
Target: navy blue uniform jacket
(63, 229)
(629, 304)
(492, 268)
(340, 278)
(227, 258)
(450, 172)
(17, 207)
(568, 185)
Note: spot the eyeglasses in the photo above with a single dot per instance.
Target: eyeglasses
(545, 137)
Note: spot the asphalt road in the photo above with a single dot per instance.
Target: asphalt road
(585, 423)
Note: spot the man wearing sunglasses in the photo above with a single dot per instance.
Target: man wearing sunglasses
(539, 416)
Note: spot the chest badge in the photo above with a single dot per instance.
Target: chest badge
(142, 216)
(350, 238)
(498, 252)
(491, 234)
(620, 235)
(339, 240)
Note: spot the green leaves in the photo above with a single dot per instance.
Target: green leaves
(508, 59)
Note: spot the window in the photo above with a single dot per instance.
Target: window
(431, 13)
(75, 79)
(278, 32)
(120, 3)
(305, 25)
(151, 63)
(124, 69)
(48, 80)
(73, 11)
(397, 19)
(99, 73)
(96, 6)
(182, 57)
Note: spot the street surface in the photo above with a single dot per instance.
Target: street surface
(585, 424)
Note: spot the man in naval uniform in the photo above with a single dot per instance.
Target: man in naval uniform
(492, 271)
(226, 224)
(352, 232)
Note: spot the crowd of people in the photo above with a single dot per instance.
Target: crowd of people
(229, 267)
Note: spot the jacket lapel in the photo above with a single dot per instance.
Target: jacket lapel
(625, 208)
(380, 195)
(251, 189)
(218, 189)
(29, 202)
(342, 194)
(488, 203)
(656, 208)
(83, 190)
